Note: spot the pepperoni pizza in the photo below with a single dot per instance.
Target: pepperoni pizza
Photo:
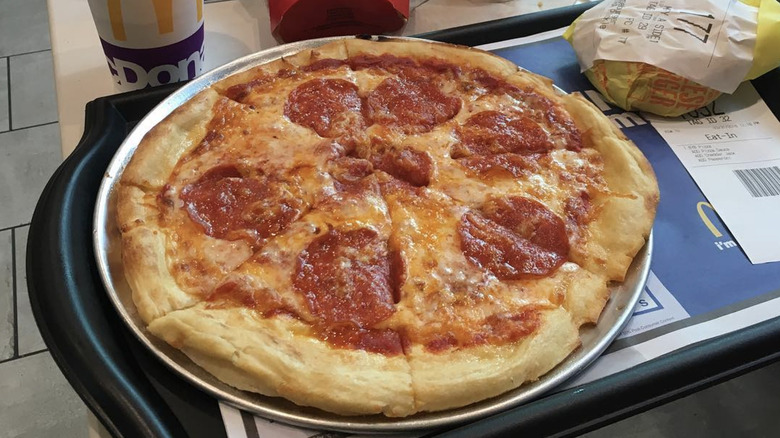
(381, 227)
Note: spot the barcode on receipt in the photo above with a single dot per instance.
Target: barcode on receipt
(760, 181)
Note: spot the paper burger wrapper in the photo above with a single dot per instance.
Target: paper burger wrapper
(295, 20)
(669, 57)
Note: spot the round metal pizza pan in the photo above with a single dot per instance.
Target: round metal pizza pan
(106, 240)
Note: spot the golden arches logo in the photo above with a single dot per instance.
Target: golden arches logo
(163, 12)
(704, 218)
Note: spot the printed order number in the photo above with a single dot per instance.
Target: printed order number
(696, 30)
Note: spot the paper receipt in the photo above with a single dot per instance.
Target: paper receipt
(731, 148)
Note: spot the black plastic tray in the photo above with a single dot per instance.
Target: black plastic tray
(134, 395)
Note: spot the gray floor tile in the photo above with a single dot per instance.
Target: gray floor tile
(6, 297)
(33, 98)
(37, 401)
(24, 26)
(28, 157)
(746, 406)
(28, 337)
(4, 122)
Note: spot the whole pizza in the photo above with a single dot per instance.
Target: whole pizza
(389, 226)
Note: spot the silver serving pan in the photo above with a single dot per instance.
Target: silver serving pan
(106, 239)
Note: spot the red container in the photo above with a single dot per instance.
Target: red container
(294, 20)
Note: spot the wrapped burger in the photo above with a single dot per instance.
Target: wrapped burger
(669, 57)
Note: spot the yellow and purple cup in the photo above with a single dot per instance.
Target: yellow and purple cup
(150, 42)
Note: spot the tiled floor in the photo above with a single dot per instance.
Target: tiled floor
(35, 399)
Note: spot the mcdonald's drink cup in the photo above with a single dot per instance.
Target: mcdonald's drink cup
(150, 42)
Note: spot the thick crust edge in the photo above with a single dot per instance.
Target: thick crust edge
(459, 55)
(279, 357)
(155, 291)
(461, 377)
(144, 250)
(168, 141)
(625, 216)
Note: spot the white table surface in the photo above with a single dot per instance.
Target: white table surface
(234, 28)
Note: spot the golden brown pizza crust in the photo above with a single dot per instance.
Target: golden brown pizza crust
(259, 72)
(585, 293)
(464, 376)
(625, 215)
(155, 292)
(168, 141)
(275, 350)
(334, 50)
(134, 208)
(279, 357)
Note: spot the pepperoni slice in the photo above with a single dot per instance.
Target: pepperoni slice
(350, 170)
(516, 238)
(240, 92)
(324, 64)
(235, 293)
(345, 278)
(559, 122)
(273, 210)
(230, 206)
(491, 132)
(413, 107)
(412, 166)
(512, 164)
(331, 107)
(441, 342)
(440, 66)
(539, 107)
(383, 341)
(501, 328)
(530, 220)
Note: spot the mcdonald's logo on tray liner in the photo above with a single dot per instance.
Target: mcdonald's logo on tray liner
(720, 244)
(704, 218)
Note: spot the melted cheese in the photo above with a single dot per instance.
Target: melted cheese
(441, 285)
(273, 268)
